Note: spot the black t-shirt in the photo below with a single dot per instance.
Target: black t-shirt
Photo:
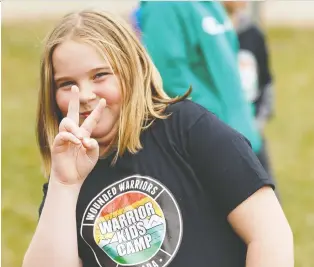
(167, 205)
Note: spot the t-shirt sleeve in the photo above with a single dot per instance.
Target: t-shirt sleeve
(45, 189)
(224, 163)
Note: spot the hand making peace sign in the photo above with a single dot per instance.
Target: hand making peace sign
(74, 154)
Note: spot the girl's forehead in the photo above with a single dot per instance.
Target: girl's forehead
(72, 56)
(71, 50)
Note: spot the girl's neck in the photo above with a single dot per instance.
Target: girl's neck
(105, 143)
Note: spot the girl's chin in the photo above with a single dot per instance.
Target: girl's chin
(101, 132)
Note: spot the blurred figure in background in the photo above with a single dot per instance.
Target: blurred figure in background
(194, 43)
(135, 21)
(256, 75)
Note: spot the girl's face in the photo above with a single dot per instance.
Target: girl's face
(79, 64)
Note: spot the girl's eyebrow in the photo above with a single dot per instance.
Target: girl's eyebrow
(107, 68)
(101, 68)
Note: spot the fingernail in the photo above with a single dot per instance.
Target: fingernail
(74, 89)
(102, 102)
(77, 141)
(87, 141)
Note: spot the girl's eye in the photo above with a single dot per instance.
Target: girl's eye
(100, 75)
(66, 84)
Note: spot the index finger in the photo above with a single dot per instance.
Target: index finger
(91, 121)
(74, 105)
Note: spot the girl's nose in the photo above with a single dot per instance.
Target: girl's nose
(86, 94)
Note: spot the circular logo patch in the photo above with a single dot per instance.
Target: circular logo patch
(134, 222)
(131, 228)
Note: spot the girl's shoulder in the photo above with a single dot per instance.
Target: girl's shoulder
(184, 114)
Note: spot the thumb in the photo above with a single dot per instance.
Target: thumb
(92, 148)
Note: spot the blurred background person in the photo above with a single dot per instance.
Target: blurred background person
(254, 64)
(134, 19)
(193, 43)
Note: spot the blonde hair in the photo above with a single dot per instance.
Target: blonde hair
(143, 97)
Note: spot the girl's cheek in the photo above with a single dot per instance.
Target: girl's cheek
(62, 100)
(110, 91)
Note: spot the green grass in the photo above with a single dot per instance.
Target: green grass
(290, 135)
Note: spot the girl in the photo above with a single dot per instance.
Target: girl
(137, 178)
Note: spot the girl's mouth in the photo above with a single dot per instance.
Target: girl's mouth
(85, 114)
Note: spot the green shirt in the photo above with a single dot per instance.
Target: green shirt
(193, 43)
